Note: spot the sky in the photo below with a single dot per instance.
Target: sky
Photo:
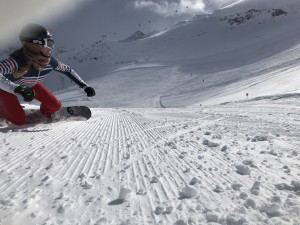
(171, 8)
(115, 19)
(14, 14)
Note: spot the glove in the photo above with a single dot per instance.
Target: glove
(89, 91)
(27, 93)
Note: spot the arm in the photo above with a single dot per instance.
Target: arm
(60, 67)
(65, 69)
(7, 66)
(10, 66)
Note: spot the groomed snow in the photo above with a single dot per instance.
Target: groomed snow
(235, 163)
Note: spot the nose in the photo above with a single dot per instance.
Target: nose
(49, 50)
(46, 51)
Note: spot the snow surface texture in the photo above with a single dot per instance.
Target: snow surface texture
(173, 139)
(235, 163)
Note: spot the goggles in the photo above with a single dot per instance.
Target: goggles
(46, 42)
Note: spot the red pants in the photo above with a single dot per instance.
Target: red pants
(11, 110)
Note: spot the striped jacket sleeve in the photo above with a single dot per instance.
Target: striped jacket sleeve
(7, 66)
(65, 69)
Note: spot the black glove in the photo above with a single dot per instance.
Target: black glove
(27, 93)
(90, 92)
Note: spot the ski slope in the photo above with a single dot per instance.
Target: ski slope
(206, 60)
(235, 163)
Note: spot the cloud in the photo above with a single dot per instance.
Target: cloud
(171, 7)
(14, 14)
(180, 7)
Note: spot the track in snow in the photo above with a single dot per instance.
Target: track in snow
(155, 166)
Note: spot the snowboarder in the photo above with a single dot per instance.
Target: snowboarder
(247, 95)
(24, 70)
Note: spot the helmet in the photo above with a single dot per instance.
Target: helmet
(34, 31)
(35, 39)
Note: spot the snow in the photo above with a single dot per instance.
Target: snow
(173, 138)
(140, 166)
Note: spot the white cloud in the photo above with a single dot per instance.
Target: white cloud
(171, 8)
(14, 14)
(177, 7)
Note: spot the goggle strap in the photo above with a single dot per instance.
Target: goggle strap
(47, 42)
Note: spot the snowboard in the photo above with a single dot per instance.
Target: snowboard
(70, 113)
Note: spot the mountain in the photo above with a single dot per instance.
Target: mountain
(134, 37)
(205, 60)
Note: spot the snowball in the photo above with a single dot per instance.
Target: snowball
(234, 220)
(124, 193)
(180, 222)
(236, 186)
(243, 170)
(255, 192)
(255, 188)
(158, 210)
(224, 148)
(169, 210)
(272, 210)
(259, 138)
(296, 185)
(86, 185)
(249, 163)
(194, 181)
(188, 192)
(154, 180)
(212, 217)
(218, 189)
(276, 199)
(243, 195)
(141, 192)
(283, 186)
(250, 203)
(210, 144)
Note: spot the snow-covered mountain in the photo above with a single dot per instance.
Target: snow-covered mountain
(208, 59)
(196, 124)
(138, 35)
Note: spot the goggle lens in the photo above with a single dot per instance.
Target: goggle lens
(47, 42)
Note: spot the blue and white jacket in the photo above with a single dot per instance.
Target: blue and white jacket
(17, 60)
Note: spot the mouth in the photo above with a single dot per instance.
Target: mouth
(47, 56)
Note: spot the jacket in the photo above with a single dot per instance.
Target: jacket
(16, 60)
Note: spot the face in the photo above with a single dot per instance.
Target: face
(46, 51)
(39, 49)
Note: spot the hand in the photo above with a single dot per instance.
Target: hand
(90, 92)
(27, 93)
